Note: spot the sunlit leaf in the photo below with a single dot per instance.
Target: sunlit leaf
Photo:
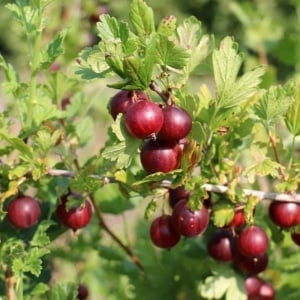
(273, 105)
(197, 45)
(171, 55)
(142, 17)
(222, 214)
(231, 89)
(293, 116)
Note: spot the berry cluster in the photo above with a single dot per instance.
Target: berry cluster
(245, 246)
(166, 230)
(160, 126)
(258, 289)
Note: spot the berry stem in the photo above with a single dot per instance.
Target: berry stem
(9, 281)
(165, 96)
(276, 155)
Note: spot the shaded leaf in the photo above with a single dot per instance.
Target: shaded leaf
(109, 253)
(53, 50)
(66, 291)
(150, 209)
(111, 200)
(40, 289)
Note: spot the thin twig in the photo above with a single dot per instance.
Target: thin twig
(276, 155)
(9, 281)
(259, 194)
(293, 197)
(165, 96)
(105, 227)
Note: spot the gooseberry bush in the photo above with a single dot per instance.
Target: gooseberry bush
(209, 160)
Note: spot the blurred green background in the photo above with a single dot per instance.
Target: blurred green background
(267, 30)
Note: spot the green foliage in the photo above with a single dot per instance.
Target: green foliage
(66, 291)
(273, 105)
(226, 63)
(124, 146)
(293, 115)
(142, 18)
(223, 283)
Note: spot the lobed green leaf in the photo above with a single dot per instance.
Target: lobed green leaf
(292, 119)
(171, 55)
(273, 105)
(222, 214)
(66, 291)
(53, 50)
(189, 35)
(25, 151)
(167, 26)
(231, 90)
(142, 18)
(264, 167)
(12, 84)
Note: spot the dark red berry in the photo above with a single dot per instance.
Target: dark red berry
(220, 245)
(162, 232)
(121, 101)
(252, 286)
(94, 18)
(266, 292)
(207, 202)
(251, 265)
(187, 222)
(238, 219)
(177, 123)
(295, 237)
(65, 102)
(177, 194)
(284, 214)
(253, 241)
(143, 119)
(75, 218)
(160, 156)
(23, 212)
(83, 292)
